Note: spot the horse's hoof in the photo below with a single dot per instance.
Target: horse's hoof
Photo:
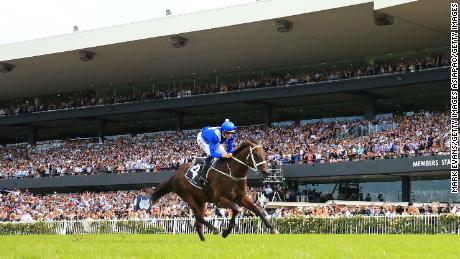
(225, 234)
(274, 231)
(202, 239)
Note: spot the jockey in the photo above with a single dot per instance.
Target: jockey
(210, 139)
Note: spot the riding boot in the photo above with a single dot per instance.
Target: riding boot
(204, 169)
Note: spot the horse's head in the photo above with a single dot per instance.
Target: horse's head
(256, 157)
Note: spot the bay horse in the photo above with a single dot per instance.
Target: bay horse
(226, 187)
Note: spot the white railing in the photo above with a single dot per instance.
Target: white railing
(421, 224)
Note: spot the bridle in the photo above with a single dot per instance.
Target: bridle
(255, 168)
(251, 154)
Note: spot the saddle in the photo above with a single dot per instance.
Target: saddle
(192, 173)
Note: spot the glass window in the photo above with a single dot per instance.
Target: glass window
(385, 191)
(390, 191)
(433, 190)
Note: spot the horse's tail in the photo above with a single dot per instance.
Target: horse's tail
(163, 189)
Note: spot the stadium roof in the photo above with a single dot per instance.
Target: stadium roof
(221, 40)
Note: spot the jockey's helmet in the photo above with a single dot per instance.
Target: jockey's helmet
(228, 126)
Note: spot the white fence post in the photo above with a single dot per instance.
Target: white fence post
(423, 224)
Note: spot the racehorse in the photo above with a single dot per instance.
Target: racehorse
(226, 187)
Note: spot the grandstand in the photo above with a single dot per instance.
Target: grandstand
(350, 101)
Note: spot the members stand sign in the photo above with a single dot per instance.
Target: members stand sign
(431, 162)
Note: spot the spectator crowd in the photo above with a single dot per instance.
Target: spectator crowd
(89, 98)
(386, 209)
(25, 206)
(121, 205)
(408, 135)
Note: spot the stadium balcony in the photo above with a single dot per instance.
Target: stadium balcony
(193, 87)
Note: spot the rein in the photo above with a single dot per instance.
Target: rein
(230, 174)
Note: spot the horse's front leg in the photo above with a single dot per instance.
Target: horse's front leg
(248, 204)
(226, 203)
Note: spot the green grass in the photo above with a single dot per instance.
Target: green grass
(235, 246)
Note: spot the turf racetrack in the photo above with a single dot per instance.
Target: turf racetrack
(235, 246)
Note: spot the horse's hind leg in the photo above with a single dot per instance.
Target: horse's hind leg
(199, 215)
(198, 209)
(247, 203)
(226, 203)
(199, 225)
(199, 229)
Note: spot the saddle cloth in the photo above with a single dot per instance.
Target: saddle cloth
(192, 173)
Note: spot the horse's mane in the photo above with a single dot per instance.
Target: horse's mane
(246, 143)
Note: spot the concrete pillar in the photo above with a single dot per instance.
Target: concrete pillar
(32, 135)
(369, 106)
(179, 120)
(101, 129)
(268, 114)
(406, 189)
